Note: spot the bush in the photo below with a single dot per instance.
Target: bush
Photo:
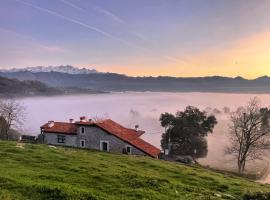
(257, 196)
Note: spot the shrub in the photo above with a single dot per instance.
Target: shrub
(257, 196)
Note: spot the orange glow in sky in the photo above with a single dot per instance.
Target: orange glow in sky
(139, 38)
(248, 57)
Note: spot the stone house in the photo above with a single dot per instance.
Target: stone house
(105, 135)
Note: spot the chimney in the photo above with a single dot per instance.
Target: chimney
(50, 123)
(83, 119)
(71, 120)
(136, 127)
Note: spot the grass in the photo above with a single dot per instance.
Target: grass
(40, 172)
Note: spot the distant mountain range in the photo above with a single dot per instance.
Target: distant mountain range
(62, 69)
(117, 82)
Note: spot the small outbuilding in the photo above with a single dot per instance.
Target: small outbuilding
(28, 138)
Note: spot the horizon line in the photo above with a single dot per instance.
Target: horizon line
(137, 76)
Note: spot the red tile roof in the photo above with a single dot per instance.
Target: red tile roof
(60, 127)
(117, 129)
(146, 147)
(130, 136)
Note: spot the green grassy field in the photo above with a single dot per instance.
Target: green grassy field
(40, 172)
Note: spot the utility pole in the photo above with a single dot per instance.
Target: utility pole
(169, 144)
(194, 154)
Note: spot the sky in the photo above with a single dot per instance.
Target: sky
(184, 38)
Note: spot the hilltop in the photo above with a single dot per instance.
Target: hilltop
(42, 172)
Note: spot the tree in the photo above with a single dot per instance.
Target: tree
(249, 131)
(226, 110)
(185, 131)
(3, 127)
(13, 113)
(216, 111)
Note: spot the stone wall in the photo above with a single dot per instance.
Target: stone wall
(92, 136)
(51, 138)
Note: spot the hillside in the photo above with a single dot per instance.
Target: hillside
(42, 172)
(119, 82)
(15, 88)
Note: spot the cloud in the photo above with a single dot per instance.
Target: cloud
(95, 29)
(92, 28)
(72, 5)
(16, 33)
(67, 19)
(103, 11)
(170, 58)
(33, 41)
(140, 36)
(109, 14)
(182, 59)
(53, 49)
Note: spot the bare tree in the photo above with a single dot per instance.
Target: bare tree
(99, 119)
(13, 113)
(249, 132)
(3, 126)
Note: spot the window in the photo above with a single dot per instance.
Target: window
(61, 138)
(104, 145)
(82, 143)
(128, 149)
(82, 130)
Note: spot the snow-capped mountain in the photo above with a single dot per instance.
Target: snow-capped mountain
(62, 69)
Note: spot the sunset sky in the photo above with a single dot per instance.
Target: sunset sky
(139, 37)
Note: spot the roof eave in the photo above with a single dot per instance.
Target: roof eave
(64, 133)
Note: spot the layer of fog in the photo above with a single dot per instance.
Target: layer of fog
(143, 109)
